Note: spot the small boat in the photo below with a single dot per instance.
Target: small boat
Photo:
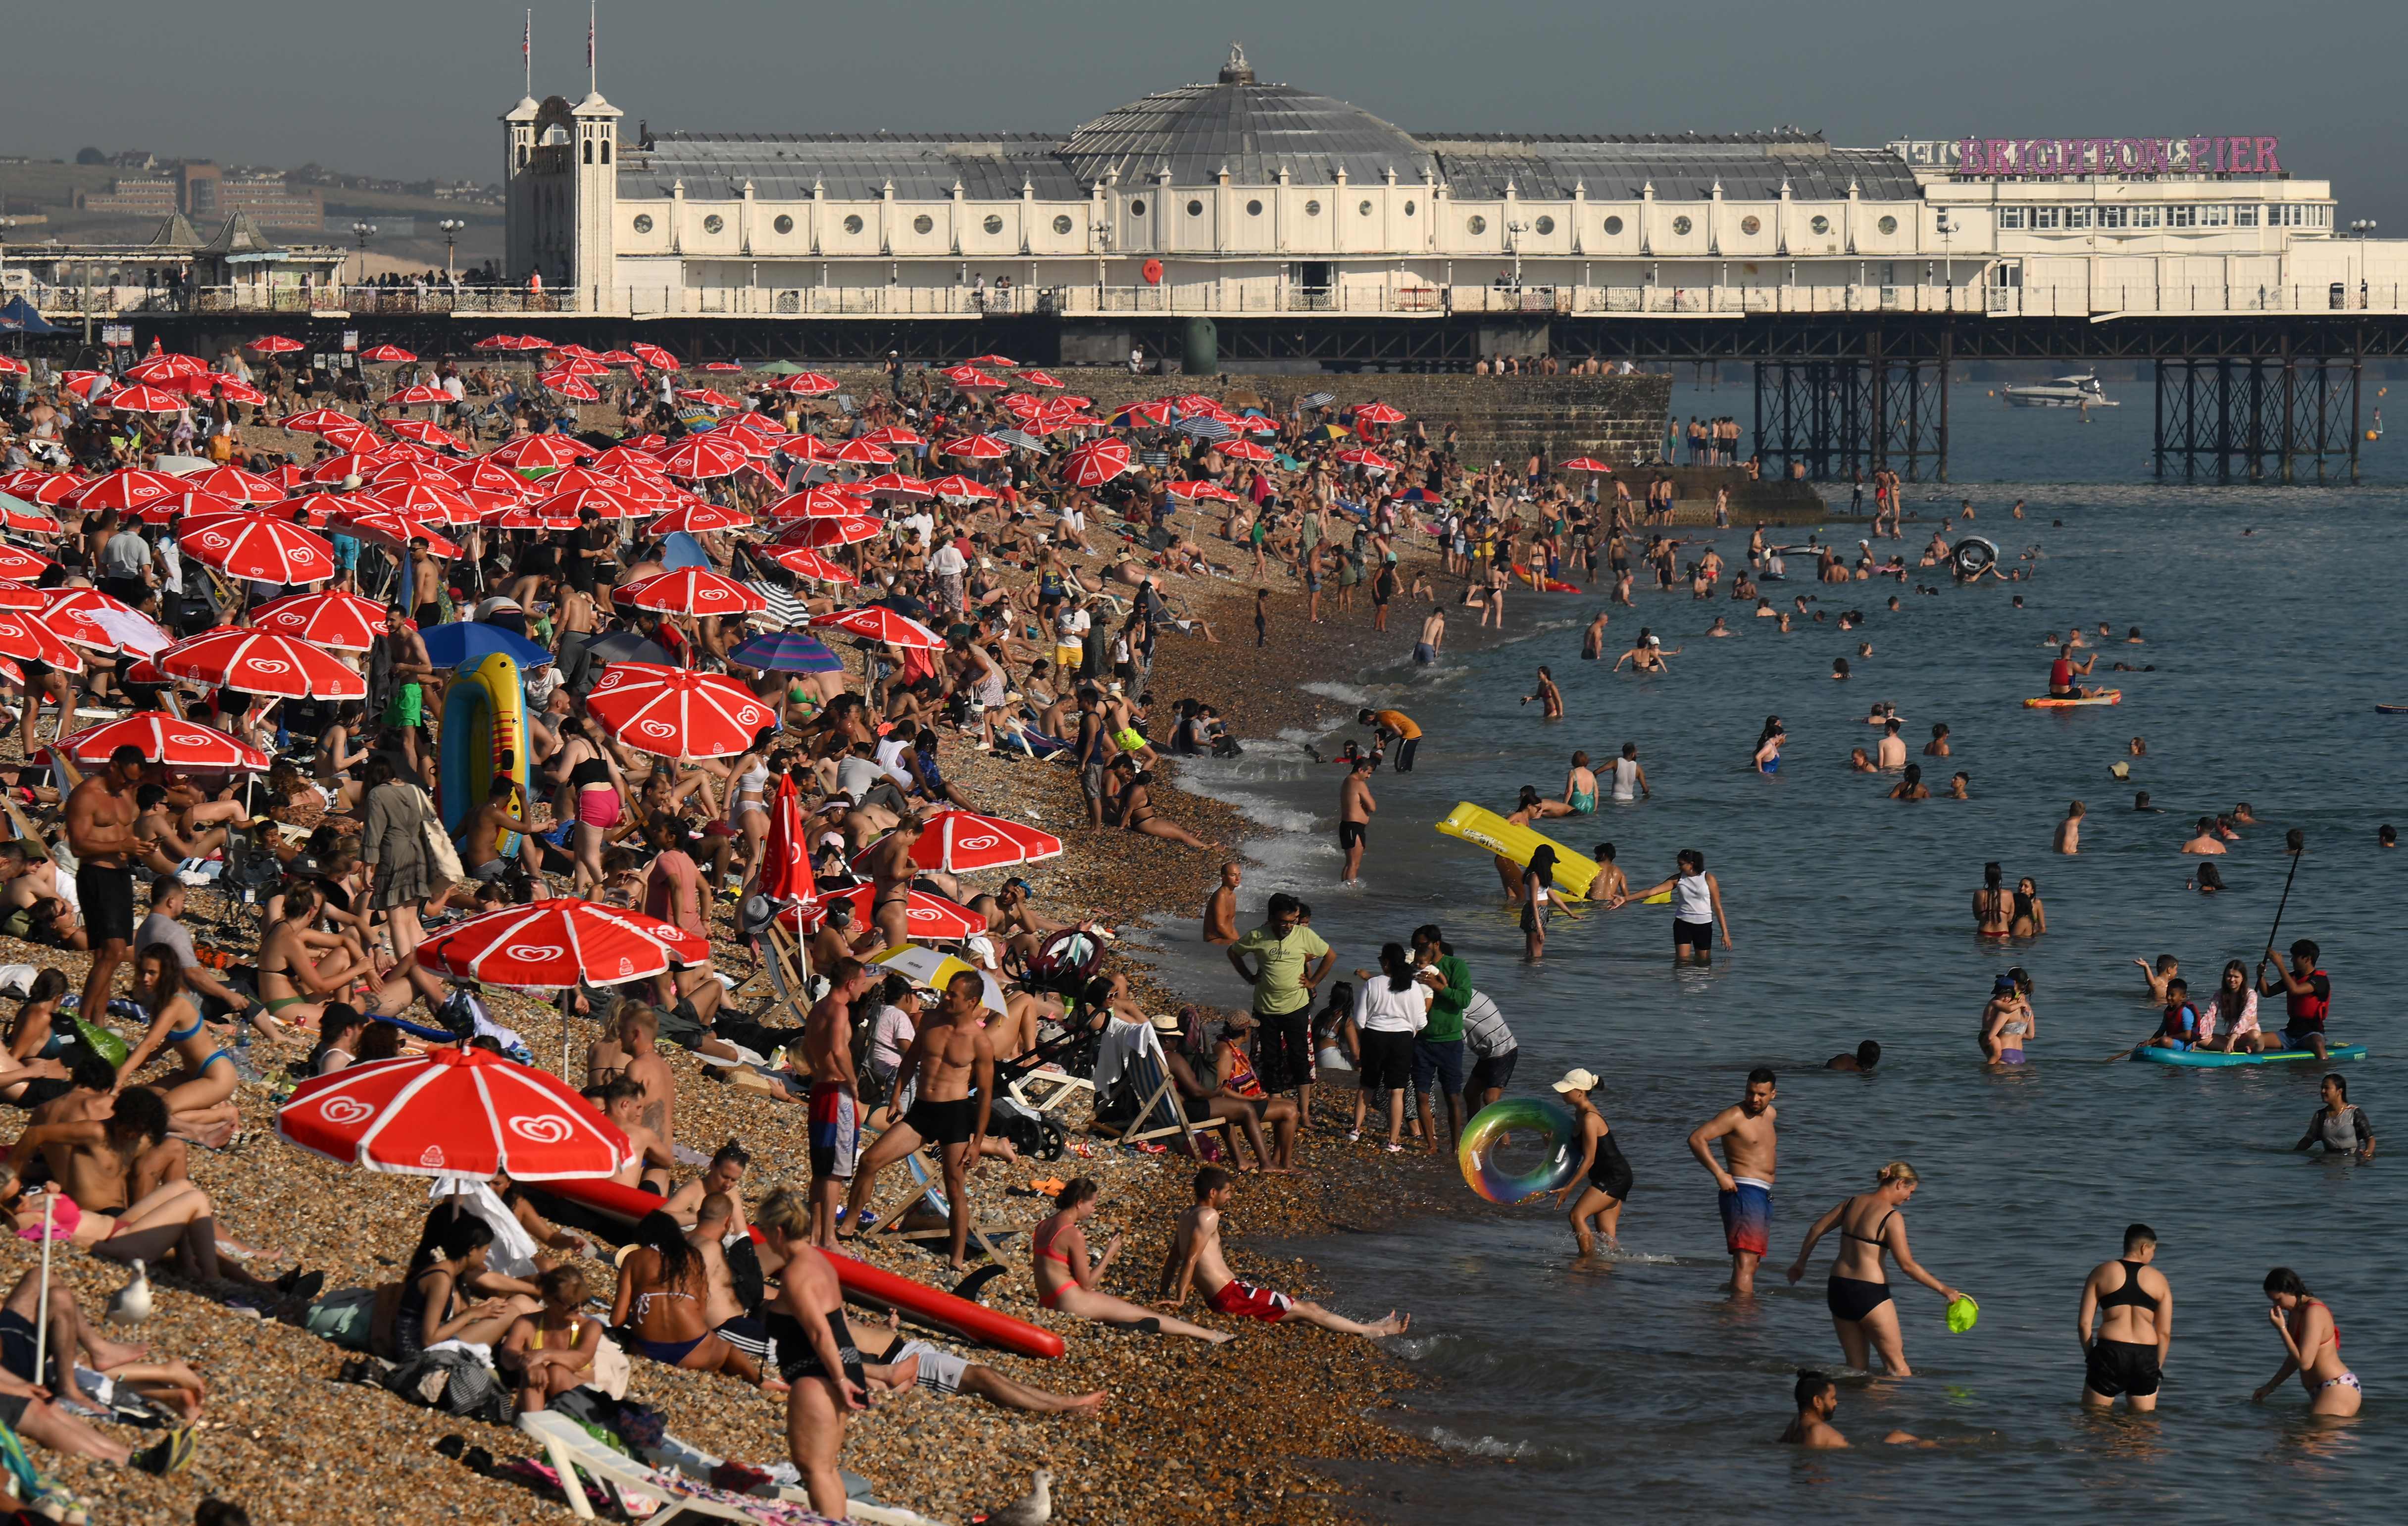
(2104, 696)
(2217, 1060)
(2065, 392)
(2391, 710)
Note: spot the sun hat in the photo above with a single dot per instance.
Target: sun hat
(1577, 1080)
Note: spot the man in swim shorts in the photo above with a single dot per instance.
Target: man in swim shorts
(2307, 997)
(835, 1099)
(1744, 1175)
(2135, 1309)
(1195, 1258)
(1355, 808)
(1425, 651)
(952, 1061)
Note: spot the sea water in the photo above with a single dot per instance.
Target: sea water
(1640, 1387)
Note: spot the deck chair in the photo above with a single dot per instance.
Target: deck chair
(23, 825)
(928, 1187)
(1159, 1115)
(571, 1449)
(1042, 1090)
(788, 968)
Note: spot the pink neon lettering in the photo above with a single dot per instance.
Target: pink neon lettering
(2201, 155)
(2266, 163)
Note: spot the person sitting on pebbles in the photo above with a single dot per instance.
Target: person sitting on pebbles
(1065, 1279)
(1195, 1258)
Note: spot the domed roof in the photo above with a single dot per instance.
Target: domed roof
(1252, 130)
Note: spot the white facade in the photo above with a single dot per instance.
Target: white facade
(1237, 197)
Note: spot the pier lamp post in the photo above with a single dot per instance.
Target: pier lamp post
(451, 226)
(364, 231)
(2359, 229)
(1515, 228)
(1102, 232)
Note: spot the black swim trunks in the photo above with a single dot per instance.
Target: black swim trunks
(106, 893)
(2121, 1367)
(1350, 834)
(943, 1123)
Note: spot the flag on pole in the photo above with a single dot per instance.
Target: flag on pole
(526, 50)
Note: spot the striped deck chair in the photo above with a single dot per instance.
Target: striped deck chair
(784, 608)
(1159, 1114)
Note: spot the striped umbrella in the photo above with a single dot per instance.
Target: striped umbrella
(1097, 462)
(677, 713)
(259, 547)
(786, 652)
(689, 590)
(335, 620)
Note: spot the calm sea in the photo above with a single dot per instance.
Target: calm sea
(1645, 1388)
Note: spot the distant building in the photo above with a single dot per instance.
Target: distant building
(131, 195)
(206, 189)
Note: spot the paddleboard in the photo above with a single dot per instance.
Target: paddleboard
(1574, 872)
(2391, 710)
(2110, 696)
(1548, 584)
(2216, 1059)
(861, 1280)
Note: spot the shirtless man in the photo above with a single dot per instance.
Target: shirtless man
(412, 670)
(2135, 1308)
(650, 1164)
(888, 864)
(1744, 1176)
(2069, 831)
(1433, 637)
(1221, 910)
(1818, 1399)
(1195, 1258)
(641, 1062)
(100, 828)
(952, 1057)
(721, 1178)
(1891, 754)
(1355, 808)
(835, 1096)
(2206, 842)
(1611, 884)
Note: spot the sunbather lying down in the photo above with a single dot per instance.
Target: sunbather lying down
(883, 1350)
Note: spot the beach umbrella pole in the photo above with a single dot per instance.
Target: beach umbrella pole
(567, 1006)
(42, 1298)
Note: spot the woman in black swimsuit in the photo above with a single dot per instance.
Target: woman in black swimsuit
(1604, 1179)
(1871, 1224)
(815, 1351)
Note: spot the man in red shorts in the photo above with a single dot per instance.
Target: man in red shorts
(1195, 1257)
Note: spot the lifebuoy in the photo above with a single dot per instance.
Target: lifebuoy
(1973, 557)
(1152, 272)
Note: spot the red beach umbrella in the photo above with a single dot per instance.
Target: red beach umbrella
(970, 378)
(1040, 378)
(17, 515)
(786, 853)
(532, 452)
(977, 448)
(129, 487)
(894, 485)
(803, 562)
(677, 713)
(700, 457)
(699, 519)
(569, 385)
(35, 486)
(707, 397)
(394, 532)
(317, 419)
(141, 400)
(183, 508)
(1379, 413)
(87, 617)
(259, 547)
(453, 1109)
(553, 945)
(861, 452)
(1369, 460)
(1097, 462)
(927, 918)
(261, 662)
(960, 489)
(819, 503)
(275, 344)
(656, 358)
(239, 486)
(28, 637)
(691, 590)
(958, 840)
(387, 355)
(17, 565)
(892, 434)
(164, 739)
(437, 502)
(808, 385)
(334, 619)
(420, 396)
(161, 369)
(843, 530)
(881, 624)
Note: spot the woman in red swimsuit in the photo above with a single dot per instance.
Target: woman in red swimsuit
(1064, 1280)
(2312, 1344)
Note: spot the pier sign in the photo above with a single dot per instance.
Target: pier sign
(2020, 158)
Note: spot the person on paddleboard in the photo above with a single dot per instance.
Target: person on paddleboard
(2062, 672)
(2307, 997)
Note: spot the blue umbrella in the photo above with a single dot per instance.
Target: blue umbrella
(470, 640)
(787, 652)
(680, 549)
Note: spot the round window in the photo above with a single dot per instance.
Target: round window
(1820, 224)
(1312, 209)
(992, 223)
(1612, 224)
(1364, 208)
(1680, 225)
(1475, 222)
(784, 224)
(853, 224)
(1750, 225)
(1061, 225)
(1887, 224)
(643, 222)
(1136, 209)
(1254, 209)
(1409, 208)
(923, 223)
(1196, 208)
(714, 223)
(1546, 225)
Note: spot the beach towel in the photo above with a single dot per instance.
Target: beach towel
(512, 1253)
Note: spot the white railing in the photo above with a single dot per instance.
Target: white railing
(1397, 297)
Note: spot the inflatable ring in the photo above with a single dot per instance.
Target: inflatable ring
(1973, 557)
(1518, 1122)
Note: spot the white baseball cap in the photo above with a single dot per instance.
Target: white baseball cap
(1577, 1080)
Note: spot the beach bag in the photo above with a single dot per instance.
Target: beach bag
(440, 854)
(343, 1317)
(455, 1383)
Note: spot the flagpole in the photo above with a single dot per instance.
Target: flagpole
(527, 52)
(591, 86)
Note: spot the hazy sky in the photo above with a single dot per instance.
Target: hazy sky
(413, 89)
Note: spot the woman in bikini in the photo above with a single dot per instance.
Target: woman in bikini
(1604, 1179)
(1138, 813)
(300, 967)
(1064, 1280)
(1870, 1225)
(2311, 1346)
(596, 795)
(551, 1351)
(662, 1285)
(747, 807)
(2031, 917)
(1993, 907)
(199, 1097)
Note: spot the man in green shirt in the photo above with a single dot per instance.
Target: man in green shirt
(1438, 1049)
(1289, 961)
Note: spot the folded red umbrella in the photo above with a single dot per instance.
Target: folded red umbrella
(677, 713)
(453, 1109)
(261, 662)
(165, 739)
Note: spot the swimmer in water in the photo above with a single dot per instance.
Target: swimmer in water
(1768, 746)
(1719, 627)
(1890, 753)
(1629, 779)
(1911, 786)
(1868, 1055)
(1860, 763)
(2007, 1020)
(1580, 790)
(2206, 842)
(1551, 699)
(1937, 745)
(2031, 916)
(1603, 1178)
(1840, 669)
(2140, 802)
(1993, 907)
(2311, 1347)
(2166, 967)
(2337, 1127)
(1610, 882)
(1592, 638)
(1871, 1225)
(1960, 785)
(2207, 881)
(1818, 1400)
(2134, 1305)
(2069, 831)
